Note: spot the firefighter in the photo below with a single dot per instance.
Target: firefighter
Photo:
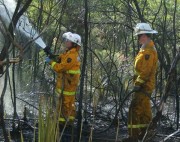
(68, 73)
(145, 67)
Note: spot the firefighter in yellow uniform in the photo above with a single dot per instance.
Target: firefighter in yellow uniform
(68, 73)
(145, 67)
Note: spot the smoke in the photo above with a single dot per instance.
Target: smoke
(7, 8)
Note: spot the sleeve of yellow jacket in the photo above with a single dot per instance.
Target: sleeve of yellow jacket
(143, 66)
(66, 63)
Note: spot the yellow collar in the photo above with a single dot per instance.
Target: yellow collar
(71, 50)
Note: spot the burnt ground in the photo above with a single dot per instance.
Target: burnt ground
(104, 135)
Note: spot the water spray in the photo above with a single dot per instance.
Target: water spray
(7, 8)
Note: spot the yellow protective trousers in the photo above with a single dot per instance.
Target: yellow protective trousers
(140, 115)
(66, 107)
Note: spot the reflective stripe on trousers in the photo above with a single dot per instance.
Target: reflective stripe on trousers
(138, 126)
(68, 93)
(73, 71)
(62, 119)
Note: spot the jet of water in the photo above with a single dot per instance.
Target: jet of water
(7, 8)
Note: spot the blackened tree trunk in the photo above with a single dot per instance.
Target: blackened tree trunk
(83, 69)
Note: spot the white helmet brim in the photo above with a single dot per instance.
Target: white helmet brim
(146, 32)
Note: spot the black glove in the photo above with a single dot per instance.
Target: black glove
(47, 50)
(137, 88)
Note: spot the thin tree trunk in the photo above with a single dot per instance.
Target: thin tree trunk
(83, 69)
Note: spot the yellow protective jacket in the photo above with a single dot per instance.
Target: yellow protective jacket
(68, 72)
(145, 67)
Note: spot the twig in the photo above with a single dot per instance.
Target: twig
(117, 132)
(169, 136)
(27, 103)
(163, 135)
(63, 130)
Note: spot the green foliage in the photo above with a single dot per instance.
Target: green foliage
(48, 125)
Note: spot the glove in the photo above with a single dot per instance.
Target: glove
(137, 88)
(47, 50)
(47, 60)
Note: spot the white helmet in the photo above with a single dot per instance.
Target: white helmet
(144, 28)
(75, 38)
